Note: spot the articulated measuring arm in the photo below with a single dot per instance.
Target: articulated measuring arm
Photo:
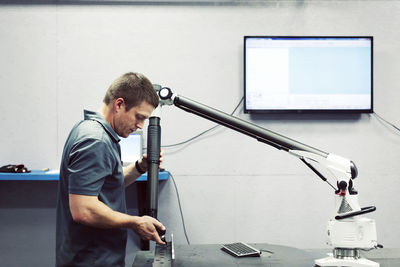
(345, 223)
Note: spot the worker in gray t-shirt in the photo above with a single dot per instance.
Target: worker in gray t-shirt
(92, 219)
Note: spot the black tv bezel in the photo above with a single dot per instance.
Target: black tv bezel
(309, 111)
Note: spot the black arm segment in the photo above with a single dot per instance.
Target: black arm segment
(355, 213)
(263, 135)
(153, 162)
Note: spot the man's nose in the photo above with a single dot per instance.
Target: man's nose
(140, 125)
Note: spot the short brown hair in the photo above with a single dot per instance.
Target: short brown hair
(134, 88)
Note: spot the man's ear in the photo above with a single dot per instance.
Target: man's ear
(119, 104)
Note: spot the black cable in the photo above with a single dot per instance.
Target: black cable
(192, 138)
(389, 123)
(180, 208)
(266, 250)
(206, 131)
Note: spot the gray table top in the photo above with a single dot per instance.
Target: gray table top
(282, 256)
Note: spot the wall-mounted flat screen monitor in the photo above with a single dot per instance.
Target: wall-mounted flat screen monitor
(308, 74)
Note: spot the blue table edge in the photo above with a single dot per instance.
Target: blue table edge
(39, 175)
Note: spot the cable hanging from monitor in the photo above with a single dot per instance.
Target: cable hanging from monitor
(387, 122)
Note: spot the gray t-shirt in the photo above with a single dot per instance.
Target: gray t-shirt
(91, 165)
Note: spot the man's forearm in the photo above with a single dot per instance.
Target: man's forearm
(90, 211)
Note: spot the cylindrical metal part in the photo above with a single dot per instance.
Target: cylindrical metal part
(346, 253)
(153, 162)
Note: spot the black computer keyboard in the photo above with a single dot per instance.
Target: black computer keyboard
(241, 249)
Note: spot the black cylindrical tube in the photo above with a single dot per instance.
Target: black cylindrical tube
(261, 134)
(153, 162)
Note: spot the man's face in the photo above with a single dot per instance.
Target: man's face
(129, 121)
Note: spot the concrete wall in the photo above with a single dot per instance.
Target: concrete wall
(59, 59)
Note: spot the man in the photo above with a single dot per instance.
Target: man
(92, 219)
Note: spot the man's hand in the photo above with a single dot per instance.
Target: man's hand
(143, 160)
(131, 173)
(145, 227)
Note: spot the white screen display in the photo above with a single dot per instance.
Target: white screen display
(308, 74)
(131, 148)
